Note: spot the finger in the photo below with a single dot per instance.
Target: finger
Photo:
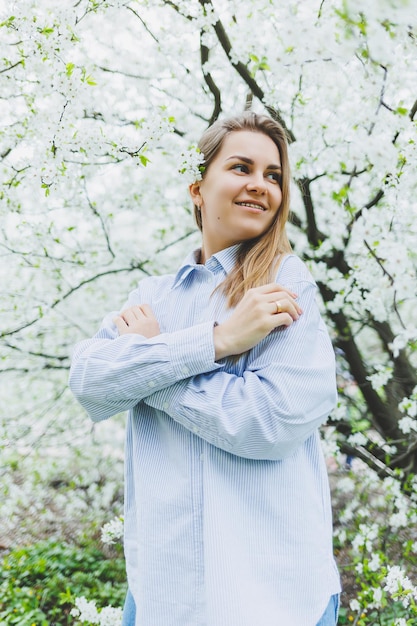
(147, 311)
(290, 305)
(284, 319)
(284, 305)
(119, 323)
(132, 314)
(278, 307)
(276, 288)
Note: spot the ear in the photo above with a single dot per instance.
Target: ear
(195, 193)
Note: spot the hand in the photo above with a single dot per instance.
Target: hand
(138, 319)
(261, 310)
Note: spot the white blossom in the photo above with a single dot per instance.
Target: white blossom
(365, 537)
(375, 563)
(399, 519)
(407, 424)
(380, 377)
(86, 611)
(112, 531)
(329, 443)
(357, 439)
(191, 164)
(409, 405)
(377, 597)
(346, 485)
(397, 583)
(110, 616)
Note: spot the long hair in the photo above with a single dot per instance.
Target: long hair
(257, 259)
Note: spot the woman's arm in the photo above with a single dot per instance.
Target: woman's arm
(128, 359)
(110, 373)
(287, 390)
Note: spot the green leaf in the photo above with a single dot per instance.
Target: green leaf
(47, 189)
(401, 111)
(69, 69)
(46, 31)
(7, 23)
(87, 78)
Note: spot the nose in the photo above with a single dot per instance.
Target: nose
(256, 183)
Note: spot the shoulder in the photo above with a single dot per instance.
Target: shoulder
(293, 270)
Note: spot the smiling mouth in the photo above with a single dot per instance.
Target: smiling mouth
(252, 205)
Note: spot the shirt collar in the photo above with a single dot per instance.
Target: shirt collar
(225, 258)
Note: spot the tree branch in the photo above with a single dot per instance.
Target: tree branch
(385, 417)
(49, 357)
(135, 265)
(388, 275)
(177, 9)
(368, 458)
(11, 67)
(413, 111)
(385, 413)
(204, 56)
(66, 295)
(143, 23)
(243, 71)
(314, 235)
(100, 218)
(372, 202)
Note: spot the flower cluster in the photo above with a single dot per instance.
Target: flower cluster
(112, 531)
(375, 526)
(191, 164)
(398, 584)
(85, 611)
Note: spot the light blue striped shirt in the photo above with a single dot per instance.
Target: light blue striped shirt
(227, 507)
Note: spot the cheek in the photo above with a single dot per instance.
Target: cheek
(278, 200)
(279, 196)
(271, 221)
(208, 216)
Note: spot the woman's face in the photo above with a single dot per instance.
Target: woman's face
(240, 193)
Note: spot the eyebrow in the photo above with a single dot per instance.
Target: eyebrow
(251, 162)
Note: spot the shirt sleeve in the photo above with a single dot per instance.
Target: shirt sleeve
(111, 373)
(287, 390)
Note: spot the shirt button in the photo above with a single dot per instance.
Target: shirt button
(185, 370)
(165, 406)
(151, 383)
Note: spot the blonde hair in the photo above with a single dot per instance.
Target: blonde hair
(257, 259)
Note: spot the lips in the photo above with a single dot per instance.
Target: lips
(252, 205)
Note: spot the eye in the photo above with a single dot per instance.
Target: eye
(240, 167)
(275, 176)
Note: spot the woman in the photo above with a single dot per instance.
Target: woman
(227, 371)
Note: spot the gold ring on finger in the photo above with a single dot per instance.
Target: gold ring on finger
(279, 309)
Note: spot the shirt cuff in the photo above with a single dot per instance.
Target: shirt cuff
(191, 350)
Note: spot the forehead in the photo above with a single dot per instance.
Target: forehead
(251, 144)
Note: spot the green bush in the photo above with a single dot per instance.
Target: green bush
(39, 583)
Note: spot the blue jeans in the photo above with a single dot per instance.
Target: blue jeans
(129, 611)
(329, 617)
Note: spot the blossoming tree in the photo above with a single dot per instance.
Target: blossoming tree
(102, 101)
